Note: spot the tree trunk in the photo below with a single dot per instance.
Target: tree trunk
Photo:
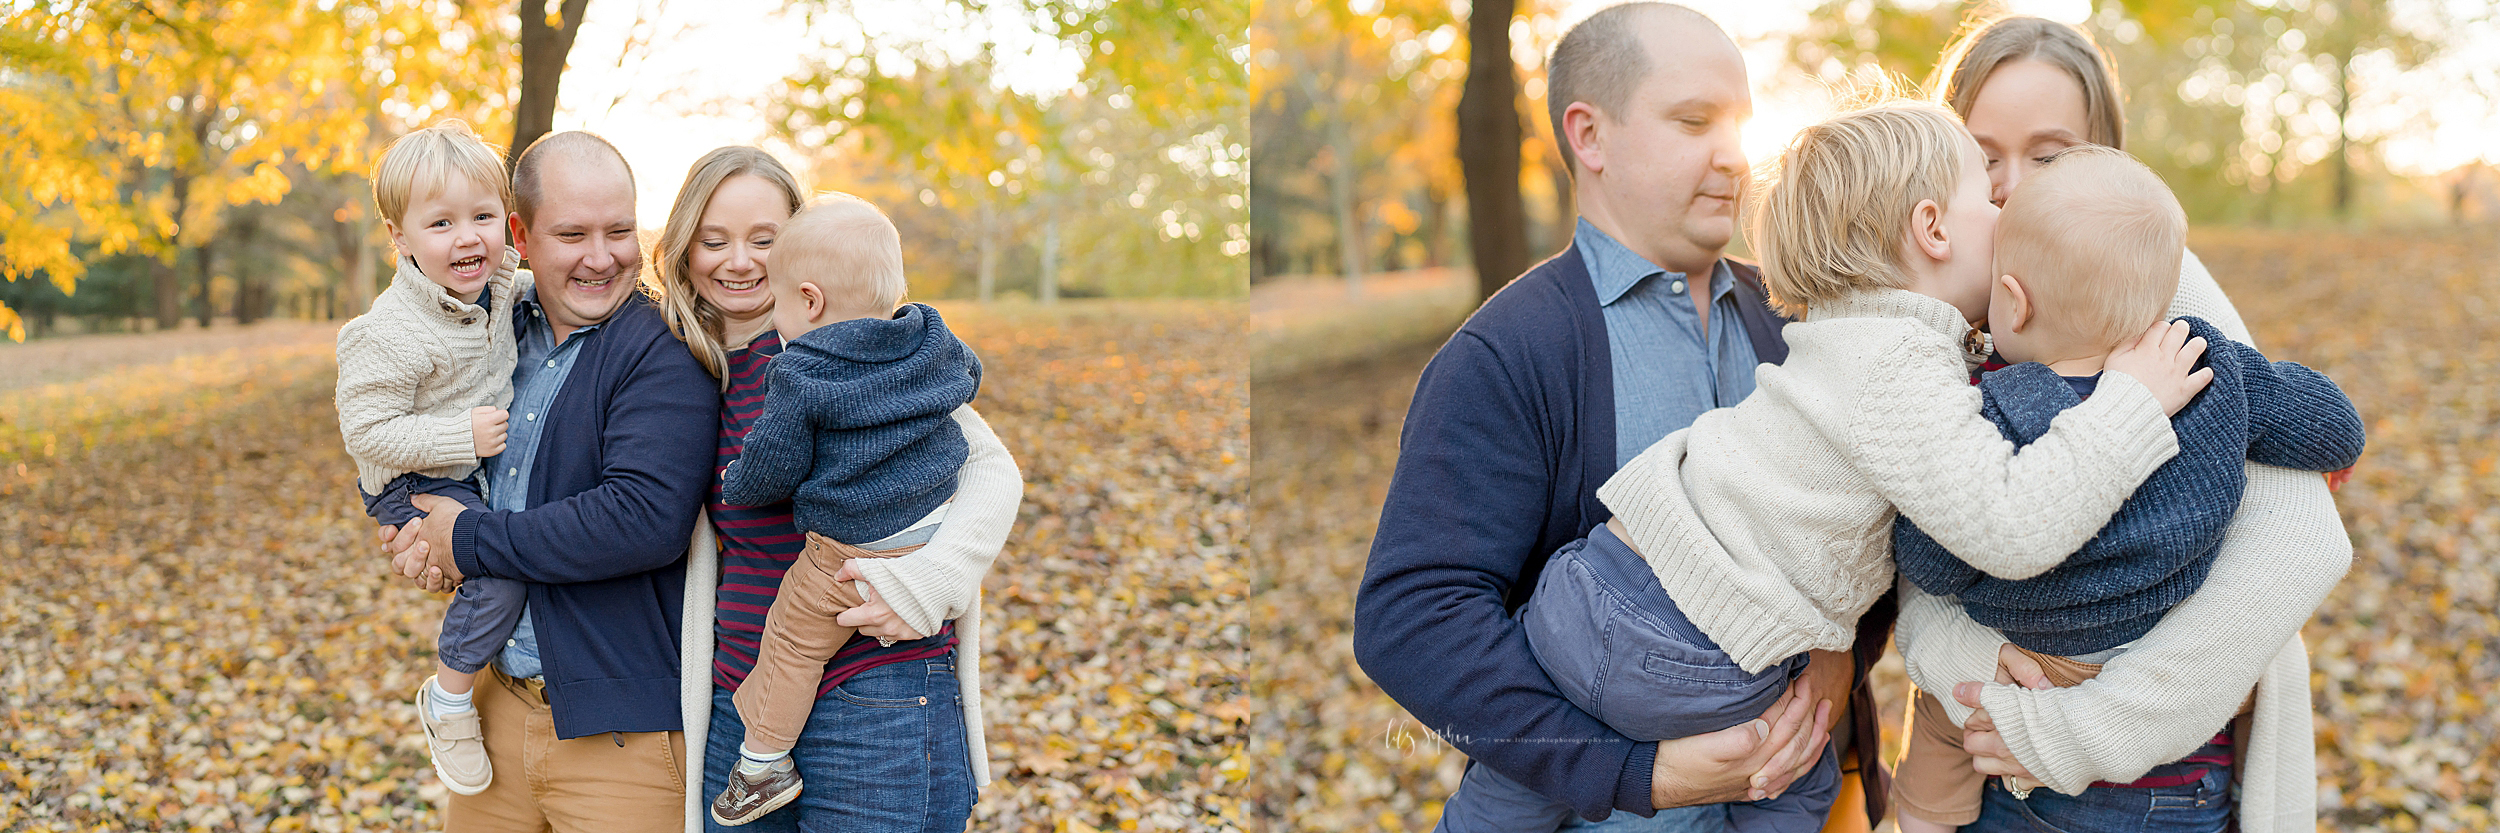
(202, 260)
(1488, 149)
(543, 49)
(2343, 136)
(986, 273)
(169, 285)
(1050, 260)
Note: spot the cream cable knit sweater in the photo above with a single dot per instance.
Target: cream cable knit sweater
(2180, 683)
(938, 582)
(1770, 523)
(410, 369)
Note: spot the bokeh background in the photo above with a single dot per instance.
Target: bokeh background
(2336, 158)
(201, 635)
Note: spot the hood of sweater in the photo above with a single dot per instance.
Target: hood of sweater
(421, 292)
(873, 371)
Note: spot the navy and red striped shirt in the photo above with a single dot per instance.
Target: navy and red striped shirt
(759, 543)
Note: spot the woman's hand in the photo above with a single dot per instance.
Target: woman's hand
(874, 618)
(2162, 359)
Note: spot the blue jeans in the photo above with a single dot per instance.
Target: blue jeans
(1620, 649)
(2202, 806)
(885, 751)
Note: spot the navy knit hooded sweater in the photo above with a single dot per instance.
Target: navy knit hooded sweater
(856, 429)
(2156, 550)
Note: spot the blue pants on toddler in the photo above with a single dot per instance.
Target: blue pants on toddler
(484, 610)
(1618, 648)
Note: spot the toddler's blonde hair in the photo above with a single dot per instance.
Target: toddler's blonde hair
(423, 160)
(847, 248)
(2096, 239)
(1834, 208)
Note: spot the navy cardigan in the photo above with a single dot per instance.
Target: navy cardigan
(623, 465)
(1509, 435)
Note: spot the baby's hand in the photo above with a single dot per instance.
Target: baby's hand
(487, 426)
(2162, 360)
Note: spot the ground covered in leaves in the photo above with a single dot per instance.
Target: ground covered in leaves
(198, 633)
(2407, 649)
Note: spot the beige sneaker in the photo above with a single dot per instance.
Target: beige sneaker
(458, 744)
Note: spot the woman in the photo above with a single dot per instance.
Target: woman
(894, 742)
(2027, 88)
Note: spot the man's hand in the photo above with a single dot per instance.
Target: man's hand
(872, 616)
(1750, 762)
(2162, 359)
(487, 426)
(421, 549)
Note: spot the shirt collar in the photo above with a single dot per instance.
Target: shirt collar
(1615, 270)
(531, 315)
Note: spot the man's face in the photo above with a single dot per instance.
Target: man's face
(581, 246)
(1670, 166)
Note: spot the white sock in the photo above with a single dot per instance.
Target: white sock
(443, 703)
(754, 763)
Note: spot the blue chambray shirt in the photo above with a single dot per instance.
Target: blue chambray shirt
(1667, 370)
(535, 380)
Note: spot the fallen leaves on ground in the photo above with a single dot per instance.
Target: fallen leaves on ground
(2407, 649)
(198, 633)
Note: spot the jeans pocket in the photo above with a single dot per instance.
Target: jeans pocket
(902, 685)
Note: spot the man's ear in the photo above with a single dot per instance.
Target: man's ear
(2018, 305)
(1927, 231)
(519, 235)
(811, 300)
(1579, 127)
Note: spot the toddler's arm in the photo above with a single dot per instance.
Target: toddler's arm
(2297, 417)
(780, 447)
(939, 581)
(2169, 692)
(378, 378)
(1916, 433)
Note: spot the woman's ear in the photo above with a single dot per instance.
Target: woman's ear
(2017, 306)
(1927, 231)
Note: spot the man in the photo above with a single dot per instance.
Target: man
(608, 458)
(1567, 373)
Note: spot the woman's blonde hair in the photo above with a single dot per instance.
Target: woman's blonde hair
(689, 316)
(422, 160)
(1834, 208)
(1987, 42)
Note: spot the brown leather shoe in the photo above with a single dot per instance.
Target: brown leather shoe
(749, 797)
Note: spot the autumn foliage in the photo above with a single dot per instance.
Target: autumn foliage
(200, 634)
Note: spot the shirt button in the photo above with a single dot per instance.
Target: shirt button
(512, 643)
(1676, 287)
(530, 417)
(551, 362)
(513, 472)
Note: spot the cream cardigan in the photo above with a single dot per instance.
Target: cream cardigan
(1770, 523)
(410, 369)
(938, 582)
(2181, 682)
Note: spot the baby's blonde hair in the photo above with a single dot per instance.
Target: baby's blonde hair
(847, 248)
(2096, 240)
(1835, 206)
(422, 160)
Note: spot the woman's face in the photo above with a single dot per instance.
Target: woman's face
(726, 262)
(2026, 111)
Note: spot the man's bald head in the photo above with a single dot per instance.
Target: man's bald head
(1603, 58)
(571, 147)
